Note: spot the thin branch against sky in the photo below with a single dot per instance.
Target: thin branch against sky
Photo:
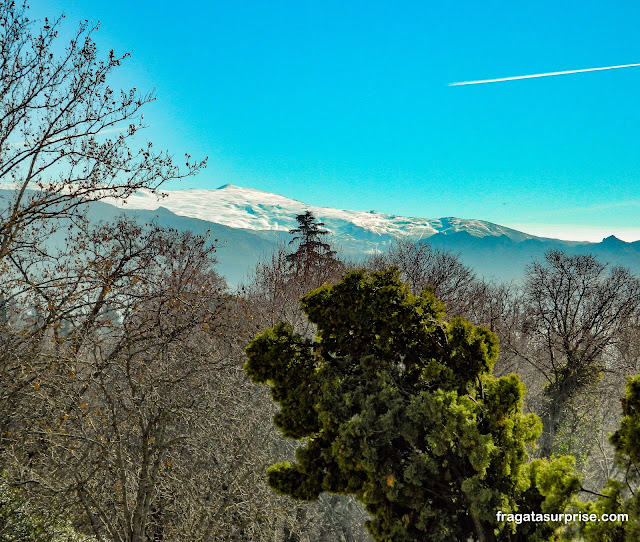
(533, 76)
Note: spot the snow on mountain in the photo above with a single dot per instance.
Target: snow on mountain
(247, 224)
(252, 209)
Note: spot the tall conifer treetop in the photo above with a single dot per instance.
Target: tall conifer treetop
(312, 250)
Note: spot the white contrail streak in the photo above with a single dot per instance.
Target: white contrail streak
(540, 75)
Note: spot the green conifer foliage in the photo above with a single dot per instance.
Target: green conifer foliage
(398, 407)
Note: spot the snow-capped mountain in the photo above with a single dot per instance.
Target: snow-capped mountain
(247, 224)
(252, 209)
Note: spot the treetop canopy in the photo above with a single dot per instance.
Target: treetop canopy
(399, 408)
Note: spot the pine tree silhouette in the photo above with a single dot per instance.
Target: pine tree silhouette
(312, 251)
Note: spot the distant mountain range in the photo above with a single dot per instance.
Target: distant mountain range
(249, 223)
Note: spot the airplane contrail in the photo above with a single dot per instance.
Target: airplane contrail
(540, 75)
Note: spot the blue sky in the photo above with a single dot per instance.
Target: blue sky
(346, 104)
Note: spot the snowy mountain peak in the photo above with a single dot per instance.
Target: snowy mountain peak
(253, 209)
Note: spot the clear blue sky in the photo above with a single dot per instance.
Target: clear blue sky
(346, 104)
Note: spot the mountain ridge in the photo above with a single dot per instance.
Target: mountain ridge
(249, 224)
(253, 209)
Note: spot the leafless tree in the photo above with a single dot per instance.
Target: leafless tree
(422, 266)
(577, 312)
(133, 412)
(275, 288)
(109, 397)
(66, 137)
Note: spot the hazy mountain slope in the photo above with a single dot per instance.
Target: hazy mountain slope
(484, 245)
(249, 223)
(237, 248)
(493, 250)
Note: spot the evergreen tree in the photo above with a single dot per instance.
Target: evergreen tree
(24, 521)
(312, 251)
(399, 408)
